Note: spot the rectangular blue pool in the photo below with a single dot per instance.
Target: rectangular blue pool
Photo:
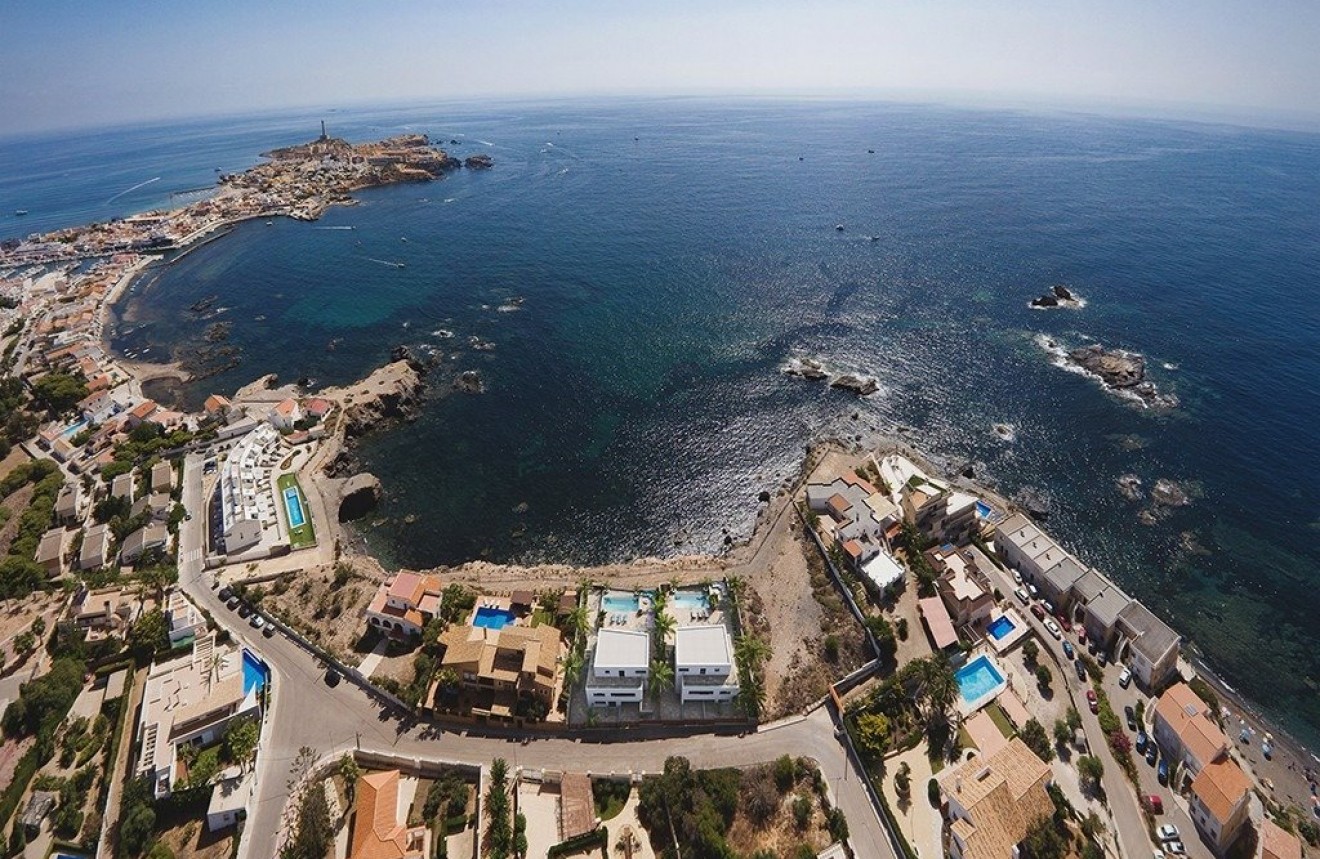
(254, 673)
(689, 600)
(492, 618)
(978, 678)
(613, 602)
(1001, 627)
(293, 504)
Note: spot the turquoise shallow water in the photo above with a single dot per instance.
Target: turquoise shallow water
(674, 254)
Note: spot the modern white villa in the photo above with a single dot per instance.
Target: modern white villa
(704, 665)
(619, 668)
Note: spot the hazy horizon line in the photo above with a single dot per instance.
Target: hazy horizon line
(1244, 116)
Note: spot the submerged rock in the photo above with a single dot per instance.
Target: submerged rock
(806, 368)
(1130, 486)
(469, 382)
(1058, 296)
(1116, 368)
(1034, 501)
(478, 162)
(1169, 494)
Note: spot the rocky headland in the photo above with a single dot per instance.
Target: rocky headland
(1118, 370)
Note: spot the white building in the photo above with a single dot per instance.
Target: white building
(619, 668)
(704, 664)
(247, 501)
(285, 414)
(184, 619)
(192, 700)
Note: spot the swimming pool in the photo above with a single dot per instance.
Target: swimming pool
(688, 599)
(254, 673)
(978, 679)
(613, 602)
(492, 618)
(1000, 627)
(293, 504)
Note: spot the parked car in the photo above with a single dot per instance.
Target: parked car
(1081, 670)
(1081, 633)
(257, 621)
(1092, 701)
(1125, 677)
(1022, 596)
(332, 677)
(1162, 773)
(1159, 854)
(1168, 832)
(234, 602)
(269, 631)
(1100, 657)
(225, 593)
(1153, 803)
(1141, 742)
(1152, 753)
(1038, 611)
(1052, 627)
(1017, 577)
(1031, 589)
(244, 610)
(1131, 716)
(1175, 848)
(1067, 650)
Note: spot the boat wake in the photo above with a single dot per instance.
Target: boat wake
(131, 190)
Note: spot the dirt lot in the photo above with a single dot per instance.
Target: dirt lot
(328, 614)
(189, 837)
(15, 458)
(14, 506)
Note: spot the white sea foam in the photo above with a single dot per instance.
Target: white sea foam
(442, 333)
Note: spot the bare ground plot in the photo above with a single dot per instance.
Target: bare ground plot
(329, 615)
(190, 837)
(15, 458)
(13, 508)
(539, 803)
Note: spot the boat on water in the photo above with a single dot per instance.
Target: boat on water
(270, 223)
(18, 213)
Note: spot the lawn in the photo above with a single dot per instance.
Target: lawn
(1000, 719)
(303, 535)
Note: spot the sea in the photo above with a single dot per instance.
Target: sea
(631, 278)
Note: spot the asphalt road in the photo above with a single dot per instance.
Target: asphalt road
(305, 712)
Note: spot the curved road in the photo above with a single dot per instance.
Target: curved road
(306, 712)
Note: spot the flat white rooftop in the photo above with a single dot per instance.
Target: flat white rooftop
(702, 645)
(622, 648)
(883, 570)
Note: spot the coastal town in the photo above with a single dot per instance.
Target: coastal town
(896, 664)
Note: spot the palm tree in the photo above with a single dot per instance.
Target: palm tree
(663, 626)
(577, 619)
(662, 677)
(573, 668)
(751, 651)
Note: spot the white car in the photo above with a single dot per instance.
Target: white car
(1125, 677)
(1022, 596)
(1017, 577)
(1167, 832)
(1031, 589)
(1053, 627)
(1175, 848)
(1159, 854)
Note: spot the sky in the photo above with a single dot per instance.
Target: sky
(66, 64)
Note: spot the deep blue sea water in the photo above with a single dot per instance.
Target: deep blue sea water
(673, 254)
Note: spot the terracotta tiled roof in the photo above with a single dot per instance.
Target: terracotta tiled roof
(1186, 715)
(377, 833)
(1004, 794)
(1277, 842)
(1220, 786)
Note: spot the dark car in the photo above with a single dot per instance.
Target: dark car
(225, 593)
(1152, 753)
(1067, 650)
(1141, 742)
(1131, 716)
(233, 603)
(1038, 611)
(332, 677)
(1153, 803)
(1100, 657)
(1092, 701)
(1080, 667)
(244, 610)
(268, 630)
(1163, 771)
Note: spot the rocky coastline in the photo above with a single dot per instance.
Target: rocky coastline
(1057, 296)
(1118, 371)
(814, 371)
